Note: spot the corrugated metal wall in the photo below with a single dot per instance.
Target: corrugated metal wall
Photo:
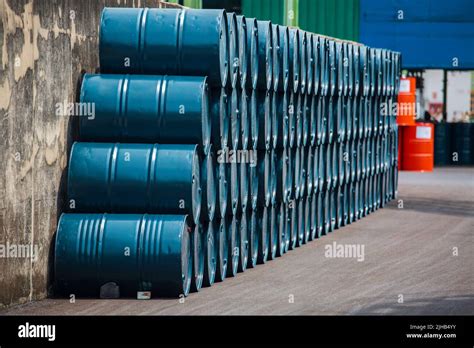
(434, 34)
(338, 18)
(264, 10)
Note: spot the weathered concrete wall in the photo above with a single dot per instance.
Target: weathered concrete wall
(46, 44)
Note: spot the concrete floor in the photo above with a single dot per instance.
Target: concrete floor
(408, 254)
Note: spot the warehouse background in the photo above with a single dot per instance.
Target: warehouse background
(46, 45)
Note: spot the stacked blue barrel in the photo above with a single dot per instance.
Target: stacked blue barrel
(219, 142)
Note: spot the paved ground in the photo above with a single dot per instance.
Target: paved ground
(408, 253)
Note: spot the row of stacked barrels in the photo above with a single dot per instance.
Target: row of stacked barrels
(219, 142)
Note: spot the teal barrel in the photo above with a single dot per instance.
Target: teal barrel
(253, 238)
(243, 218)
(277, 57)
(244, 50)
(134, 178)
(263, 234)
(263, 120)
(234, 112)
(282, 229)
(197, 250)
(222, 191)
(219, 113)
(210, 252)
(265, 55)
(280, 119)
(284, 53)
(303, 61)
(221, 241)
(250, 80)
(233, 47)
(157, 41)
(146, 109)
(309, 63)
(233, 246)
(295, 57)
(292, 217)
(137, 252)
(208, 186)
(273, 232)
(245, 100)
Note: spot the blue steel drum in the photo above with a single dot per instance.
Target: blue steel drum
(290, 172)
(277, 56)
(234, 112)
(281, 224)
(274, 173)
(233, 47)
(254, 182)
(244, 184)
(324, 64)
(295, 58)
(300, 224)
(244, 241)
(137, 252)
(263, 126)
(135, 178)
(313, 217)
(312, 115)
(252, 54)
(280, 119)
(197, 247)
(222, 192)
(307, 219)
(219, 106)
(309, 63)
(309, 170)
(264, 178)
(299, 120)
(273, 232)
(275, 117)
(292, 114)
(287, 227)
(165, 42)
(252, 110)
(222, 249)
(317, 64)
(284, 53)
(263, 234)
(245, 118)
(332, 77)
(296, 169)
(303, 171)
(293, 217)
(233, 247)
(305, 118)
(210, 252)
(282, 175)
(253, 238)
(332, 207)
(265, 55)
(233, 184)
(320, 214)
(147, 109)
(244, 51)
(303, 61)
(208, 185)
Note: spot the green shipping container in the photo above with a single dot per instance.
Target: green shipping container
(337, 18)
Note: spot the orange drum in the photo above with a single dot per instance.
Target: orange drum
(418, 147)
(406, 110)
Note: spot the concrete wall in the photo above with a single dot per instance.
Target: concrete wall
(46, 45)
